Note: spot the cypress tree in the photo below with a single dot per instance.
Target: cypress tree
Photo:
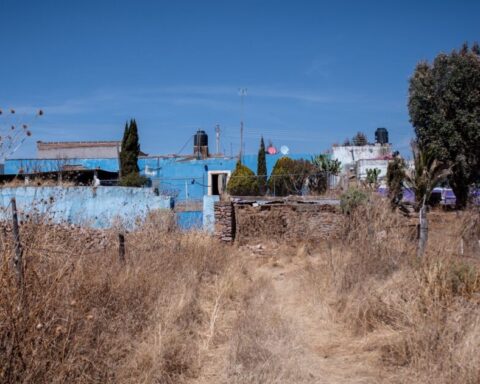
(129, 156)
(262, 169)
(122, 152)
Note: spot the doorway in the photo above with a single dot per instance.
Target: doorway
(217, 182)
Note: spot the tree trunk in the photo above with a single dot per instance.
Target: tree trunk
(460, 189)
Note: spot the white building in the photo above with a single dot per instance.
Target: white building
(350, 155)
(363, 165)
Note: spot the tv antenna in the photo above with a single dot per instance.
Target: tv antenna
(242, 93)
(217, 138)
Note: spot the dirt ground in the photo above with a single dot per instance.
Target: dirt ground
(314, 348)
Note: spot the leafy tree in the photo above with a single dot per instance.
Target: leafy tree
(130, 150)
(262, 169)
(360, 139)
(444, 107)
(243, 182)
(289, 176)
(395, 178)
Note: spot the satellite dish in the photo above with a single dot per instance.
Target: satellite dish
(284, 150)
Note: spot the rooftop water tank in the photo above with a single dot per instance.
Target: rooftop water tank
(381, 136)
(200, 139)
(200, 144)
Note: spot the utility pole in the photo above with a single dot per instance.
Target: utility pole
(217, 138)
(243, 93)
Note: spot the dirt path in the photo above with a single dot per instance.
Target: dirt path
(330, 355)
(322, 351)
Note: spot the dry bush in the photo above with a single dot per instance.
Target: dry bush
(84, 317)
(37, 182)
(469, 230)
(421, 314)
(376, 242)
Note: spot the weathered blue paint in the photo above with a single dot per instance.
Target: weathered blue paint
(181, 177)
(99, 207)
(208, 213)
(188, 220)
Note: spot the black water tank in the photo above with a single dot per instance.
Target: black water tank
(381, 136)
(200, 139)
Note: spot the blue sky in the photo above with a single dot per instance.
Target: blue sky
(316, 71)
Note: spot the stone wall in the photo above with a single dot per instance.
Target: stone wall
(224, 221)
(283, 220)
(287, 222)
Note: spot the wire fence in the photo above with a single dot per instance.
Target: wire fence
(192, 188)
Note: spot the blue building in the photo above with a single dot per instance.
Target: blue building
(186, 178)
(183, 177)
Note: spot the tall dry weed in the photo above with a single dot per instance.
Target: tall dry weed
(423, 315)
(84, 317)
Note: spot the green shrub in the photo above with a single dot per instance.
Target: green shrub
(133, 180)
(288, 176)
(243, 182)
(352, 199)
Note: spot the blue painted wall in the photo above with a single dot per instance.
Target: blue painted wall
(208, 213)
(189, 220)
(99, 207)
(181, 177)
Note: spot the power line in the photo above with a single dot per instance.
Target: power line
(184, 145)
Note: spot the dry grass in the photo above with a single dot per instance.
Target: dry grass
(263, 347)
(185, 309)
(37, 182)
(84, 317)
(422, 315)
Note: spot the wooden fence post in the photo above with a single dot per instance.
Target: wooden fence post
(423, 230)
(121, 247)
(18, 250)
